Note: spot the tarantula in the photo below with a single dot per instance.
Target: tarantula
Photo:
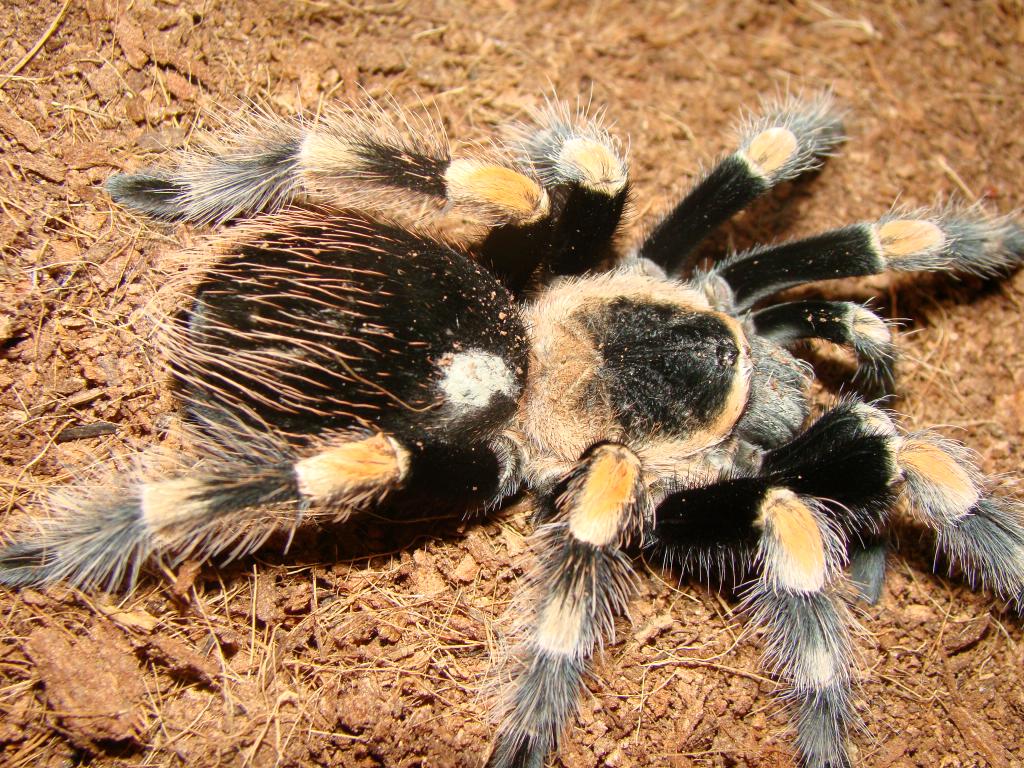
(331, 360)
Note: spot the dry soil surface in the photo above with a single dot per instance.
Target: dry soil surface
(369, 644)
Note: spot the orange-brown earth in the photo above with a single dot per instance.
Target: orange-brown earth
(368, 644)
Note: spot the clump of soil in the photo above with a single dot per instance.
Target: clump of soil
(368, 644)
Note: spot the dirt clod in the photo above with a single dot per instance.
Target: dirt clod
(92, 684)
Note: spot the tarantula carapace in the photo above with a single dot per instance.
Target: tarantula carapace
(330, 360)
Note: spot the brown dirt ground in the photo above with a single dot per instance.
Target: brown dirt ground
(368, 645)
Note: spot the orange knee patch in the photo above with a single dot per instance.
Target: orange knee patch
(351, 471)
(941, 472)
(901, 238)
(601, 502)
(595, 165)
(513, 195)
(795, 550)
(771, 149)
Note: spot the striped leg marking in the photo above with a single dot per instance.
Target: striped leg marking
(947, 240)
(807, 645)
(789, 138)
(225, 506)
(980, 533)
(807, 641)
(583, 580)
(583, 168)
(352, 473)
(798, 549)
(364, 157)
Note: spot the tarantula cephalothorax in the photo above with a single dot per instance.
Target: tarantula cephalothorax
(330, 361)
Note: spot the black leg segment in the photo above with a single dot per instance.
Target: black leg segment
(845, 460)
(837, 321)
(582, 168)
(786, 140)
(947, 240)
(764, 271)
(729, 188)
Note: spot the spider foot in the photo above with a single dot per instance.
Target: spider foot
(980, 533)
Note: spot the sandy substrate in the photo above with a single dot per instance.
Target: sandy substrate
(369, 644)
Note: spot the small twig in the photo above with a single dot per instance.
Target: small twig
(955, 177)
(39, 44)
(84, 431)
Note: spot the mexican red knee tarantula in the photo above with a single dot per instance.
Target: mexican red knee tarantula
(331, 360)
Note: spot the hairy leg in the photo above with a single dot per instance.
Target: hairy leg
(832, 487)
(582, 580)
(364, 157)
(949, 240)
(788, 138)
(585, 173)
